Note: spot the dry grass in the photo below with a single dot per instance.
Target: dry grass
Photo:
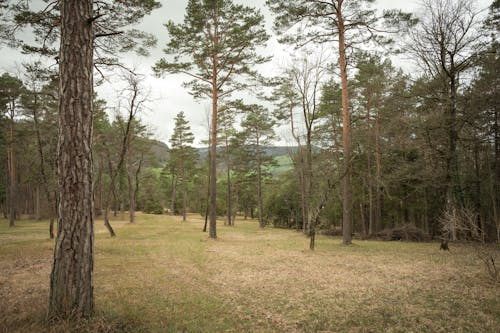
(162, 275)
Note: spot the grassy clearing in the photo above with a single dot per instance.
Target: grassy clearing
(162, 275)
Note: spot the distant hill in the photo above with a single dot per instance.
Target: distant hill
(160, 152)
(273, 151)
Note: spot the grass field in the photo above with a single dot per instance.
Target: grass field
(162, 275)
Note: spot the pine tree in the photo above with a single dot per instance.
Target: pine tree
(215, 46)
(182, 157)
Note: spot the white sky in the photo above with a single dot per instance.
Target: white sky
(167, 94)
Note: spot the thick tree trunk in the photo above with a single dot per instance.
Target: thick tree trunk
(346, 133)
(71, 280)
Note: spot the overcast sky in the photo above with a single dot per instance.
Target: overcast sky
(167, 95)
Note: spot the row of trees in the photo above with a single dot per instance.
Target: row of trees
(29, 117)
(403, 125)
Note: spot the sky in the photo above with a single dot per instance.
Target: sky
(167, 96)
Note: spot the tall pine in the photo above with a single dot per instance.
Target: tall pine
(216, 47)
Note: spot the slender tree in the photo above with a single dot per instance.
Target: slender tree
(227, 132)
(258, 128)
(298, 91)
(182, 156)
(215, 45)
(40, 104)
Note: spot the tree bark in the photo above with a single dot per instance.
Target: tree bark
(346, 132)
(71, 280)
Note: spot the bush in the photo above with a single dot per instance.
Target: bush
(153, 207)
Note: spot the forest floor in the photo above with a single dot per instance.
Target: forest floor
(162, 275)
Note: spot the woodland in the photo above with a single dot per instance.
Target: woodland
(381, 215)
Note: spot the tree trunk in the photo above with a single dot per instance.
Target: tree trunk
(184, 192)
(236, 204)
(303, 193)
(71, 280)
(369, 182)
(363, 222)
(259, 185)
(308, 177)
(228, 193)
(106, 222)
(131, 198)
(496, 179)
(378, 180)
(37, 203)
(346, 133)
(453, 177)
(207, 208)
(12, 173)
(55, 210)
(172, 196)
(213, 143)
(43, 174)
